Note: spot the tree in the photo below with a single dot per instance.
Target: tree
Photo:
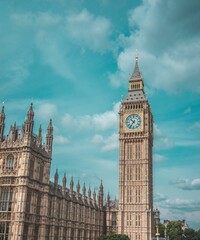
(162, 230)
(190, 234)
(174, 230)
(114, 237)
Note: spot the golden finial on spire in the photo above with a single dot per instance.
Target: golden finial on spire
(136, 57)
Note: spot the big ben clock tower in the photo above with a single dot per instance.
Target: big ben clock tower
(135, 217)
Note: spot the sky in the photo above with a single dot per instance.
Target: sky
(73, 60)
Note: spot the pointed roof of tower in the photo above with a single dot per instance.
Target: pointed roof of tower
(2, 110)
(136, 86)
(30, 111)
(136, 72)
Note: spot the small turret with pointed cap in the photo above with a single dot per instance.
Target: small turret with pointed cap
(56, 178)
(108, 200)
(94, 197)
(71, 186)
(84, 190)
(28, 128)
(64, 181)
(89, 193)
(49, 138)
(78, 187)
(39, 137)
(2, 123)
(100, 195)
(30, 113)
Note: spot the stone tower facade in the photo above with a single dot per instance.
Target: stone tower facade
(135, 216)
(32, 207)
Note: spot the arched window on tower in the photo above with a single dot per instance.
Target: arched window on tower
(6, 195)
(10, 162)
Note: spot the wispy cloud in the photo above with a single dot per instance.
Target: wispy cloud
(158, 197)
(45, 111)
(61, 140)
(100, 122)
(171, 55)
(98, 30)
(187, 184)
(183, 204)
(159, 158)
(161, 141)
(106, 144)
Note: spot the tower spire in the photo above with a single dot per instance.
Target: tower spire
(136, 75)
(136, 55)
(2, 122)
(49, 138)
(29, 122)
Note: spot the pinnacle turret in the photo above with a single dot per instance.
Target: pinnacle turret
(49, 138)
(2, 122)
(39, 136)
(71, 185)
(56, 178)
(78, 187)
(29, 122)
(100, 195)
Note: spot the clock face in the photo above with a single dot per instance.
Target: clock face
(133, 121)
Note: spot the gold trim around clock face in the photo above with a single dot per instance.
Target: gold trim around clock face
(134, 129)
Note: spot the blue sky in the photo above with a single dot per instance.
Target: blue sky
(73, 60)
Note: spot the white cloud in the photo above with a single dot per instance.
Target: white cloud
(158, 197)
(97, 139)
(61, 140)
(183, 204)
(106, 144)
(169, 57)
(187, 110)
(45, 111)
(188, 143)
(158, 158)
(188, 184)
(101, 122)
(161, 141)
(196, 125)
(98, 30)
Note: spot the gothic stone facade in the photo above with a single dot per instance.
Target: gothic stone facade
(135, 216)
(32, 207)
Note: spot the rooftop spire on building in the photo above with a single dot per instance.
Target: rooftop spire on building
(136, 72)
(2, 110)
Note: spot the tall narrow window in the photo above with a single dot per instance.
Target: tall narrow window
(4, 230)
(41, 173)
(137, 194)
(31, 168)
(6, 194)
(130, 154)
(10, 162)
(137, 220)
(136, 150)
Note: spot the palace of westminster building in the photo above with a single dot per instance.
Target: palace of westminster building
(34, 208)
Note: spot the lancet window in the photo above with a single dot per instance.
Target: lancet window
(4, 230)
(6, 195)
(10, 162)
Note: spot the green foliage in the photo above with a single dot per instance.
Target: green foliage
(162, 230)
(191, 234)
(114, 237)
(174, 230)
